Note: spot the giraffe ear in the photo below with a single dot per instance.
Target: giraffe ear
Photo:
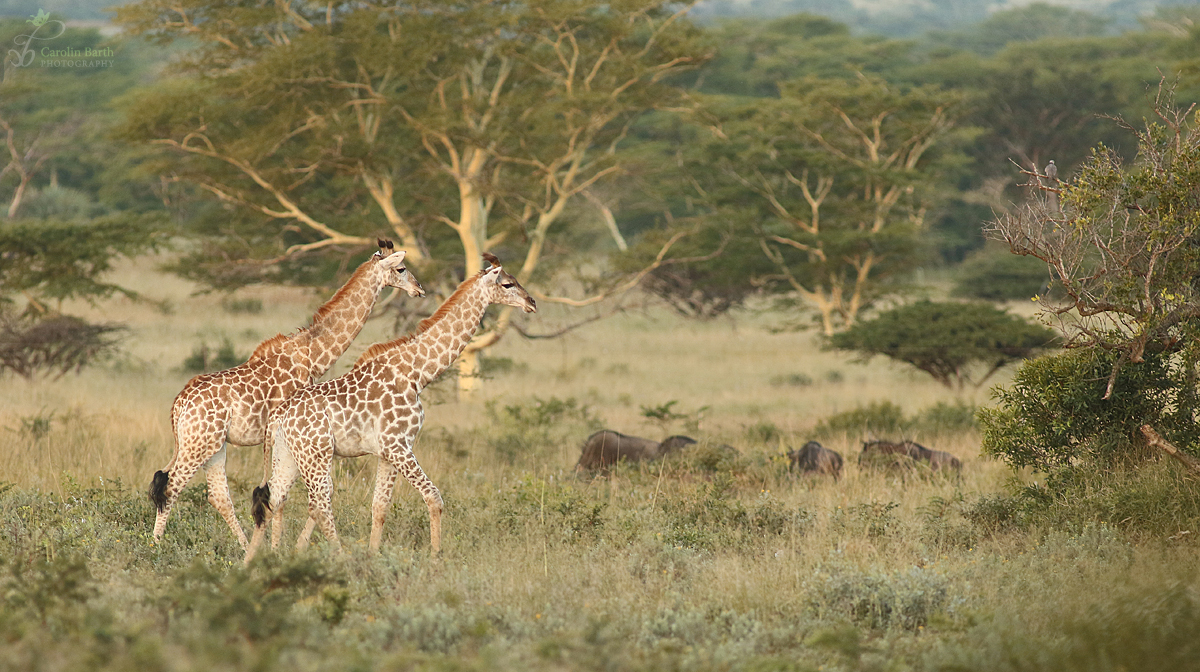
(395, 259)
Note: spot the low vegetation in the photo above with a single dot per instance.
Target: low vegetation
(717, 558)
(680, 564)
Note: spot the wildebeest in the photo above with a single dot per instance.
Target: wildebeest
(815, 457)
(941, 460)
(893, 454)
(606, 447)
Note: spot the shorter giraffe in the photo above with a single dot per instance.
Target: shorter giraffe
(231, 406)
(374, 409)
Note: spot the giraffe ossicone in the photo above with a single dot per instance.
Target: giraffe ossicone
(375, 408)
(231, 406)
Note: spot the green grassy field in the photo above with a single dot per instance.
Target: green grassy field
(710, 561)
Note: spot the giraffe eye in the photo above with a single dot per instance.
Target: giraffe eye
(506, 285)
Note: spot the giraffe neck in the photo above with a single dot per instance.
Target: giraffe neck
(336, 324)
(423, 356)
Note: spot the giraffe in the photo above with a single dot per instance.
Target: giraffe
(375, 408)
(231, 406)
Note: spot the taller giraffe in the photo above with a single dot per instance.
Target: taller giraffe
(375, 409)
(231, 406)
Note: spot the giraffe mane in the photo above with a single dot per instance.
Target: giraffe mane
(269, 347)
(341, 293)
(456, 298)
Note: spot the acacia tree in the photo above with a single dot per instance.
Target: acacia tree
(949, 341)
(831, 182)
(1122, 242)
(41, 109)
(468, 125)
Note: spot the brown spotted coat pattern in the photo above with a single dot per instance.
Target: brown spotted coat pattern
(375, 409)
(231, 406)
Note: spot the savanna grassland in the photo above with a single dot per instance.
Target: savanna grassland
(710, 560)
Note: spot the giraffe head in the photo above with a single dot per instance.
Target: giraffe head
(505, 288)
(397, 275)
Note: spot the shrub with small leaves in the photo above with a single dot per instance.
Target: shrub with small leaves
(204, 359)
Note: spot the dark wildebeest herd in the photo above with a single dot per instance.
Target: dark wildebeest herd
(606, 448)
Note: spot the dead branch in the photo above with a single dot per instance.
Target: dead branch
(1155, 440)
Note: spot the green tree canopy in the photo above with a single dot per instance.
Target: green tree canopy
(947, 340)
(1122, 241)
(462, 128)
(820, 193)
(1030, 23)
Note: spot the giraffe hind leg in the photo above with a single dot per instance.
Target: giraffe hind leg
(309, 526)
(218, 494)
(199, 436)
(166, 493)
(270, 497)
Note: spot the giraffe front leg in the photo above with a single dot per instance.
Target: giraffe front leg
(385, 482)
(406, 464)
(218, 494)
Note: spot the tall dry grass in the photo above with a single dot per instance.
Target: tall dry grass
(726, 374)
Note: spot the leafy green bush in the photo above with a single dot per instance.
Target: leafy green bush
(792, 380)
(763, 431)
(242, 306)
(60, 203)
(1149, 499)
(877, 419)
(716, 518)
(944, 418)
(1054, 416)
(526, 429)
(254, 603)
(501, 365)
(885, 419)
(877, 599)
(203, 359)
(949, 341)
(1126, 627)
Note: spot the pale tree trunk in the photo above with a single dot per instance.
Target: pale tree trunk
(472, 233)
(16, 162)
(18, 195)
(383, 191)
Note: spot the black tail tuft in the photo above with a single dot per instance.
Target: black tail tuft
(260, 503)
(158, 490)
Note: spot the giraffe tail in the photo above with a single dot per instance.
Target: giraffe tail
(158, 490)
(260, 503)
